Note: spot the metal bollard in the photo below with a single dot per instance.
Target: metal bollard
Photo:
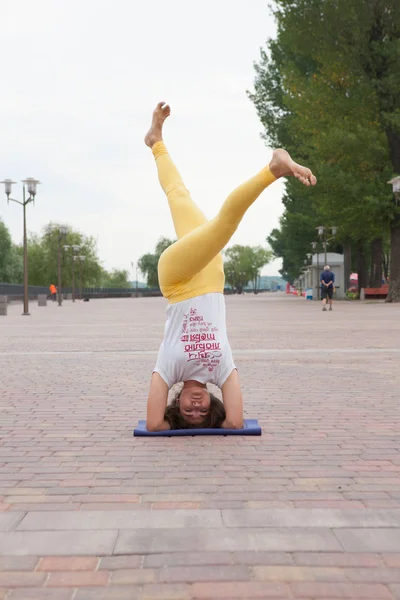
(42, 300)
(3, 305)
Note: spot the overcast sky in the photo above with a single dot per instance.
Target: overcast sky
(79, 82)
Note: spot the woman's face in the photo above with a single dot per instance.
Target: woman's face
(194, 402)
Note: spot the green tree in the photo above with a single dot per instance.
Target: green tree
(11, 265)
(116, 278)
(243, 264)
(148, 263)
(327, 90)
(43, 258)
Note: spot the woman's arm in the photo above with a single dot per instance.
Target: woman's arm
(233, 402)
(156, 404)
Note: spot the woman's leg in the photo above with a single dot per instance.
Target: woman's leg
(186, 215)
(192, 253)
(188, 260)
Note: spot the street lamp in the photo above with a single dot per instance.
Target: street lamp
(75, 249)
(136, 277)
(322, 232)
(62, 232)
(242, 275)
(30, 183)
(314, 246)
(81, 259)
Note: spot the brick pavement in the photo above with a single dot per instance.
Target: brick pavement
(311, 510)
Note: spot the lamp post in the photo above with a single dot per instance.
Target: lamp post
(81, 259)
(242, 275)
(315, 247)
(309, 257)
(136, 277)
(322, 232)
(30, 183)
(75, 249)
(62, 232)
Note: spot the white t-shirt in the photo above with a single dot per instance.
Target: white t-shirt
(195, 344)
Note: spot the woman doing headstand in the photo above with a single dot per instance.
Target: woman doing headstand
(195, 349)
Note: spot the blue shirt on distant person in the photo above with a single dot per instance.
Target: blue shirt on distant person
(327, 277)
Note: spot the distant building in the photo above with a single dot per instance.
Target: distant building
(272, 283)
(140, 284)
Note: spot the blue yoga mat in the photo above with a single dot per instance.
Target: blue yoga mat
(251, 427)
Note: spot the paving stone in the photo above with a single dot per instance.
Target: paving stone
(395, 591)
(58, 543)
(369, 540)
(339, 559)
(112, 593)
(113, 563)
(18, 563)
(68, 563)
(340, 590)
(204, 573)
(97, 520)
(313, 517)
(175, 540)
(131, 592)
(185, 559)
(77, 579)
(391, 560)
(21, 579)
(69, 448)
(40, 594)
(10, 520)
(237, 589)
(134, 576)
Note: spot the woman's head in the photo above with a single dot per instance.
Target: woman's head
(193, 407)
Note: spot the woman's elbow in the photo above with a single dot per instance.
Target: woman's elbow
(154, 426)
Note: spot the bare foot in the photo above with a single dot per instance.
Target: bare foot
(160, 113)
(282, 165)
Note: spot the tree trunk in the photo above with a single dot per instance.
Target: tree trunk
(362, 269)
(386, 266)
(394, 285)
(375, 275)
(393, 139)
(394, 278)
(346, 265)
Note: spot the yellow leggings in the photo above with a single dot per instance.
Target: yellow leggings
(193, 265)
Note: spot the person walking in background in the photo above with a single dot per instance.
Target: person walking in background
(327, 281)
(53, 291)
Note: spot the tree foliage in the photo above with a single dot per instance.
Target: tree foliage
(116, 278)
(243, 264)
(327, 89)
(148, 263)
(11, 264)
(43, 260)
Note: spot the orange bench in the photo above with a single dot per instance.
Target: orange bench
(380, 292)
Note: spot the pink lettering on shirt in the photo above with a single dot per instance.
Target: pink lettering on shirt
(200, 345)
